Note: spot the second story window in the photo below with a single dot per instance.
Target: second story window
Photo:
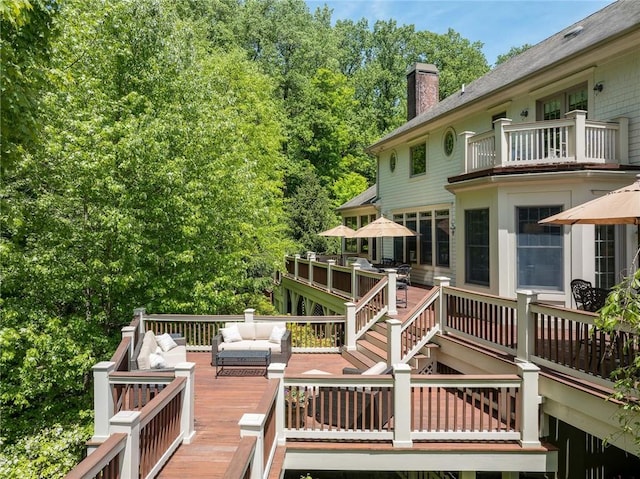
(418, 155)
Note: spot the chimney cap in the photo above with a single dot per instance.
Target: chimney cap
(422, 68)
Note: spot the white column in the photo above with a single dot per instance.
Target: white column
(622, 144)
(249, 315)
(394, 353)
(130, 332)
(526, 324)
(128, 422)
(102, 400)
(187, 422)
(253, 425)
(402, 405)
(330, 264)
(392, 293)
(502, 145)
(441, 303)
(354, 281)
(529, 404)
(467, 157)
(140, 312)
(578, 139)
(350, 331)
(276, 371)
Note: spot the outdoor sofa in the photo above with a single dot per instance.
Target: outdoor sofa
(254, 336)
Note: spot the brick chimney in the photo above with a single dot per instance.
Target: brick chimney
(422, 88)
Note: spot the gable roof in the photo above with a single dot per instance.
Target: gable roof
(612, 21)
(367, 197)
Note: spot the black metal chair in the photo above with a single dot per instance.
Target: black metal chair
(404, 273)
(581, 291)
(401, 285)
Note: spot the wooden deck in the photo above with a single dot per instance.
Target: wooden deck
(220, 403)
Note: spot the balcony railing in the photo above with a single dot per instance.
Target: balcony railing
(571, 140)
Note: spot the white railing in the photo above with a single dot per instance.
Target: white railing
(570, 140)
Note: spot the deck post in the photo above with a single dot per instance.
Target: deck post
(354, 281)
(249, 315)
(128, 422)
(526, 324)
(276, 371)
(440, 303)
(466, 154)
(394, 354)
(140, 312)
(102, 401)
(187, 428)
(402, 405)
(311, 256)
(130, 332)
(350, 332)
(392, 292)
(529, 404)
(622, 143)
(577, 140)
(253, 425)
(330, 264)
(502, 146)
(296, 273)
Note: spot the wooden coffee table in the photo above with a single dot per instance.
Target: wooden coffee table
(242, 359)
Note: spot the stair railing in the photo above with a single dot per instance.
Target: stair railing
(421, 326)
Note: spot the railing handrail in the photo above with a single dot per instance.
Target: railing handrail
(242, 459)
(372, 293)
(477, 296)
(92, 465)
(428, 300)
(158, 403)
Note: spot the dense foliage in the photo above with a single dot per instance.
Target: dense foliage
(166, 154)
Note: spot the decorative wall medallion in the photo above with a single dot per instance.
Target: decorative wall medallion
(449, 141)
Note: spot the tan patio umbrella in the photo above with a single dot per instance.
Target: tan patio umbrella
(618, 207)
(383, 228)
(340, 231)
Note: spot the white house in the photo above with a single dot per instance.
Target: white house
(549, 129)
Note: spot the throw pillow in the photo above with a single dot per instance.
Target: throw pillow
(231, 334)
(166, 342)
(276, 334)
(157, 361)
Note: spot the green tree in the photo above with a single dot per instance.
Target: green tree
(513, 51)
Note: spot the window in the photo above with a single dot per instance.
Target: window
(449, 141)
(364, 242)
(431, 247)
(412, 241)
(392, 161)
(442, 238)
(426, 238)
(351, 244)
(418, 154)
(398, 242)
(539, 249)
(605, 256)
(558, 105)
(477, 246)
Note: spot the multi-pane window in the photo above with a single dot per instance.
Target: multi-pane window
(558, 105)
(351, 244)
(539, 249)
(418, 156)
(398, 242)
(605, 256)
(578, 100)
(476, 243)
(442, 238)
(364, 242)
(412, 241)
(432, 245)
(426, 238)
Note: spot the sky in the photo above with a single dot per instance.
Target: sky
(498, 24)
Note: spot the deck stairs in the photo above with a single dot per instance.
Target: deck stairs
(371, 348)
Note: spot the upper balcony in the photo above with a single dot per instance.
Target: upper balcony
(574, 140)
